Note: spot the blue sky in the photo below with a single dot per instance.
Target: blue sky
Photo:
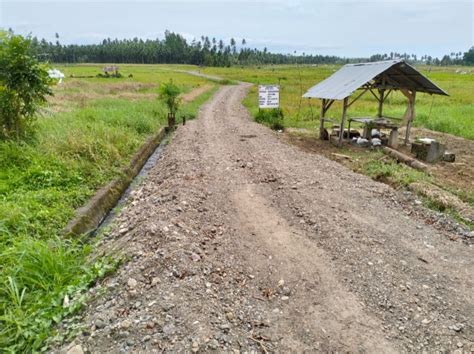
(340, 27)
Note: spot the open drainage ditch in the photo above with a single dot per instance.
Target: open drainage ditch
(134, 184)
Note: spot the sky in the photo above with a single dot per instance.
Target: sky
(348, 28)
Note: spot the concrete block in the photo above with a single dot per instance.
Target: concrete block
(449, 156)
(393, 139)
(431, 152)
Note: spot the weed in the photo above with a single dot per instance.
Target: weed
(36, 276)
(271, 117)
(393, 172)
(191, 109)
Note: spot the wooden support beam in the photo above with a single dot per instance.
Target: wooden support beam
(409, 115)
(392, 82)
(329, 104)
(343, 122)
(373, 93)
(355, 99)
(321, 119)
(412, 79)
(382, 98)
(326, 103)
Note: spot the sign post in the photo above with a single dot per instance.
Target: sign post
(268, 96)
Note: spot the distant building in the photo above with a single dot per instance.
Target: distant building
(113, 69)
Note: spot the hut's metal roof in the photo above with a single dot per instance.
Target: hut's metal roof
(395, 74)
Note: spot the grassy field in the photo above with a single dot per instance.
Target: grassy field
(453, 114)
(86, 134)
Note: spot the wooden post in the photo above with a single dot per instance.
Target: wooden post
(321, 120)
(410, 112)
(343, 122)
(171, 120)
(381, 99)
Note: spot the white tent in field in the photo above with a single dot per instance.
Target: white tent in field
(56, 74)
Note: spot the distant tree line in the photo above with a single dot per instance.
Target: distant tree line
(205, 51)
(453, 58)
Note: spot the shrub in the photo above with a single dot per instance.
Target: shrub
(169, 94)
(24, 85)
(271, 117)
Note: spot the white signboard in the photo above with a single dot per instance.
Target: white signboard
(269, 96)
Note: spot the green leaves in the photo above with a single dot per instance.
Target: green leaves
(14, 293)
(169, 94)
(24, 86)
(271, 117)
(36, 277)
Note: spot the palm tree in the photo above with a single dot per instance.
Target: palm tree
(233, 45)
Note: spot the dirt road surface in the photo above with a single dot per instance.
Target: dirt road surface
(241, 242)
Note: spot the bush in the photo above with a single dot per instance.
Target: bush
(271, 117)
(169, 95)
(24, 85)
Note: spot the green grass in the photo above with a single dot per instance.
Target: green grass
(272, 118)
(453, 114)
(86, 136)
(191, 109)
(36, 277)
(390, 171)
(44, 180)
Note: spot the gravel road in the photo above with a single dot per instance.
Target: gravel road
(239, 241)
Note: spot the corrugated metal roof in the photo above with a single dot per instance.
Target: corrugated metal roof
(350, 77)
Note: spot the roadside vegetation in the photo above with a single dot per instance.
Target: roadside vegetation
(78, 141)
(271, 117)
